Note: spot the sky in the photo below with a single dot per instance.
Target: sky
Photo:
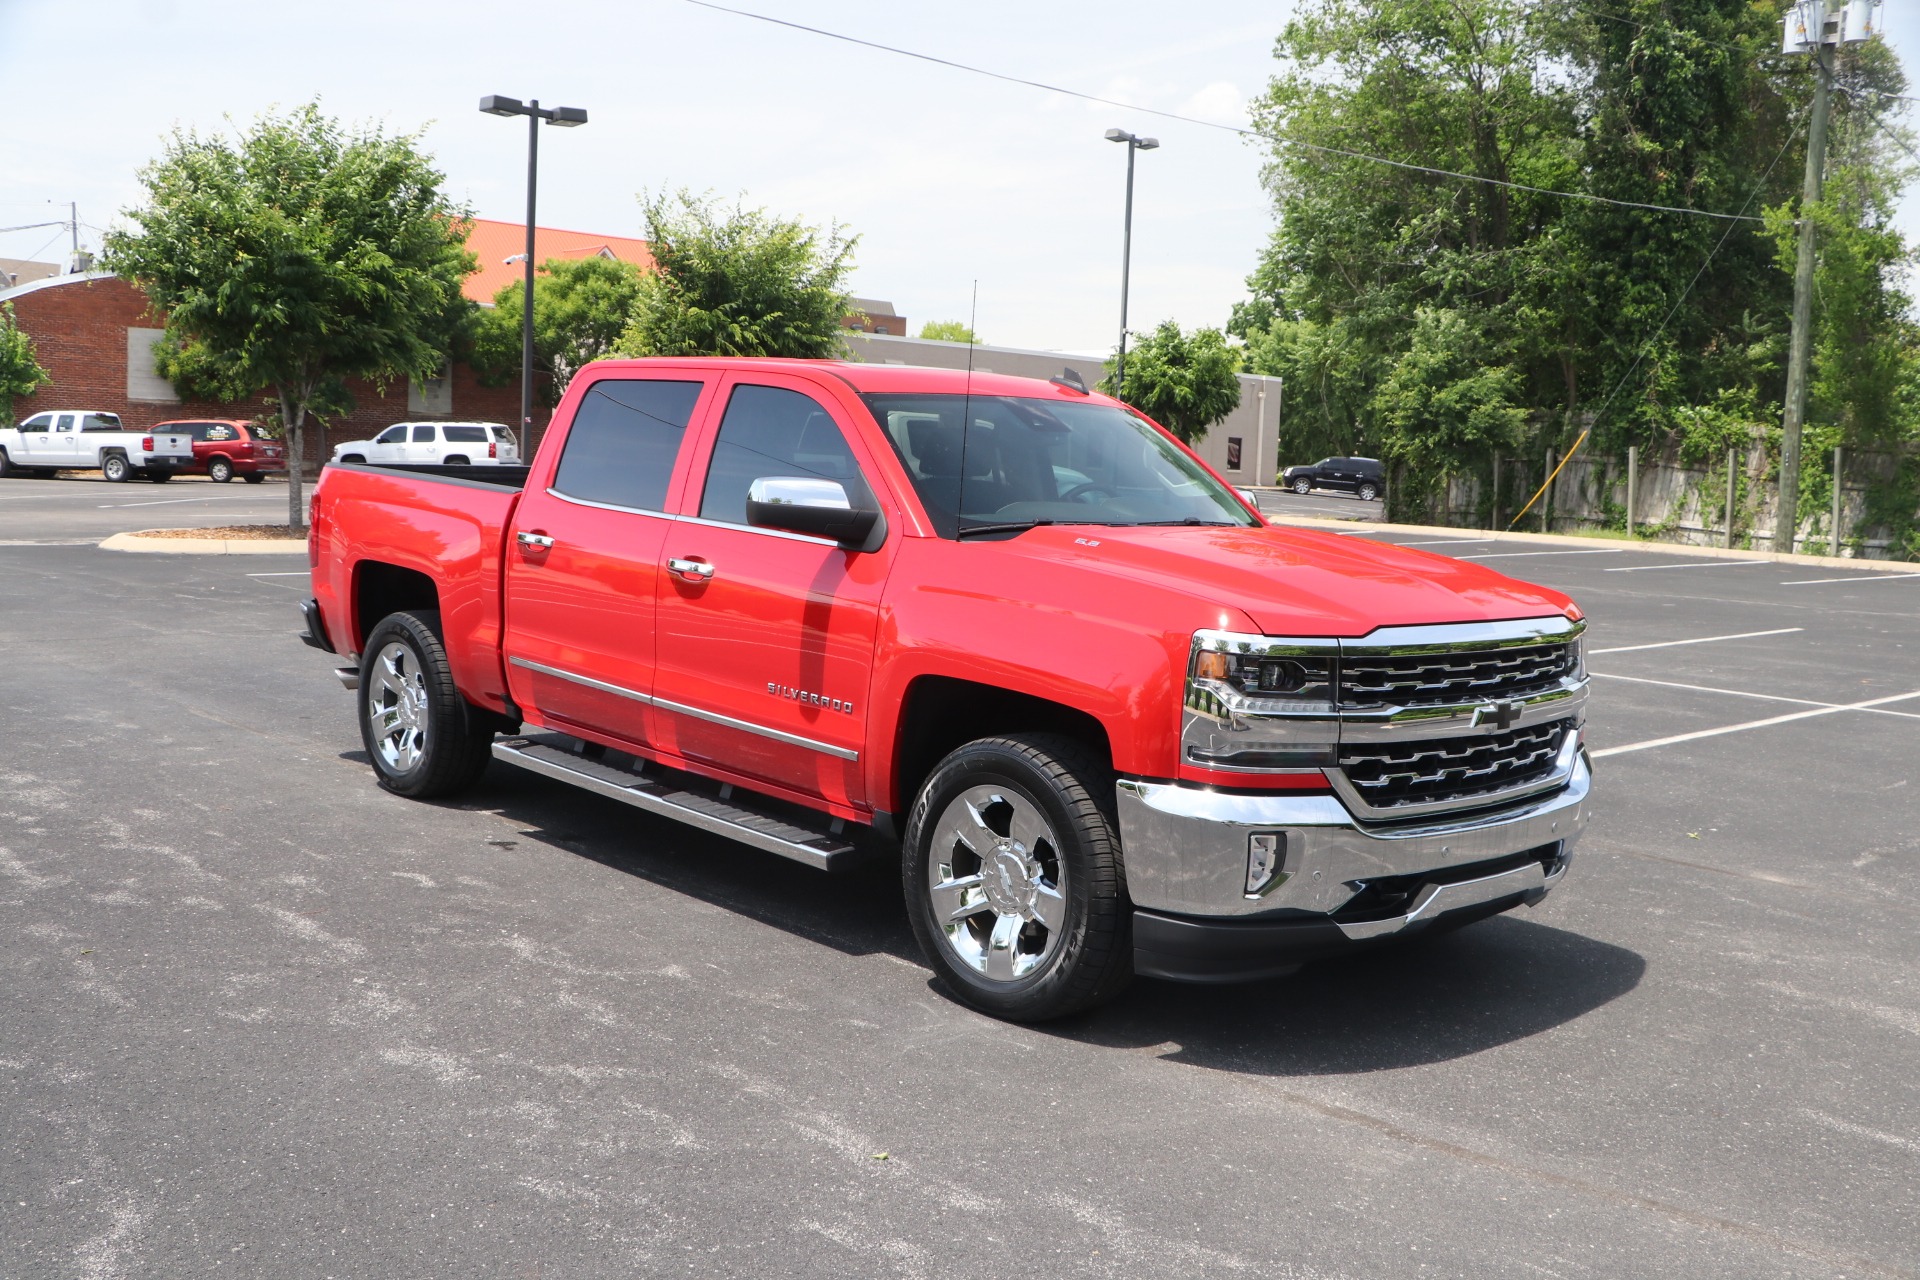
(950, 180)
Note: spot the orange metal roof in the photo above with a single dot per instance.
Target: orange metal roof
(493, 242)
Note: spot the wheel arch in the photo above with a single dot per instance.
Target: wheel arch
(380, 588)
(940, 713)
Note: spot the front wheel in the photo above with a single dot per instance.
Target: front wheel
(1013, 878)
(422, 737)
(1303, 487)
(1369, 491)
(220, 471)
(359, 458)
(114, 467)
(8, 467)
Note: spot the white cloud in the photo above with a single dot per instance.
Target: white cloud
(1220, 102)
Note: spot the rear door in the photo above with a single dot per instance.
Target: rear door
(67, 448)
(766, 637)
(425, 443)
(583, 552)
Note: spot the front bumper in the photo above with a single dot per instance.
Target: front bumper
(1341, 883)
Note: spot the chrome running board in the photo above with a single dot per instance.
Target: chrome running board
(621, 777)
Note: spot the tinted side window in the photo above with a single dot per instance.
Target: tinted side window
(214, 431)
(38, 422)
(392, 435)
(624, 439)
(423, 435)
(466, 435)
(769, 431)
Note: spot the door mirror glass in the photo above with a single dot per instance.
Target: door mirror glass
(806, 504)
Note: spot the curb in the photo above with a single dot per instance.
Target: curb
(205, 546)
(1598, 544)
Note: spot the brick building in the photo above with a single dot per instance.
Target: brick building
(871, 315)
(94, 333)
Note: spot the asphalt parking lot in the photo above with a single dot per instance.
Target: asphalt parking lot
(257, 1015)
(79, 508)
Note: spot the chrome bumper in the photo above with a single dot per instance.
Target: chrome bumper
(1186, 852)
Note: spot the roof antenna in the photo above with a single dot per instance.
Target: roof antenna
(966, 408)
(1070, 379)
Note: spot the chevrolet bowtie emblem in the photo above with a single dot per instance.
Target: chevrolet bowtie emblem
(1501, 715)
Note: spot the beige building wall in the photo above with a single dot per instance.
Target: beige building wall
(1255, 425)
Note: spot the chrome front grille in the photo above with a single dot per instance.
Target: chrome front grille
(1461, 675)
(1453, 771)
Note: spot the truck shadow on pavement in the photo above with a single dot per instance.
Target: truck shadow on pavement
(1428, 1000)
(1424, 1001)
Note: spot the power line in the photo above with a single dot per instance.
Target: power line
(1215, 124)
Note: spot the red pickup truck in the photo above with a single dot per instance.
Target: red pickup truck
(1109, 719)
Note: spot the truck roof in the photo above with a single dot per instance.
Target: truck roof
(882, 378)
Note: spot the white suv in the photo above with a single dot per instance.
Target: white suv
(446, 444)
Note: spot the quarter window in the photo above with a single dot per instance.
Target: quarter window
(100, 422)
(466, 435)
(623, 442)
(770, 431)
(215, 431)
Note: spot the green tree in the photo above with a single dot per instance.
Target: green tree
(295, 256)
(20, 370)
(581, 306)
(947, 331)
(1185, 382)
(738, 282)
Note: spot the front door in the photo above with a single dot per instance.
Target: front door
(389, 446)
(36, 438)
(582, 555)
(766, 638)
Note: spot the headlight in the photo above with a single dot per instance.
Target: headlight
(1259, 703)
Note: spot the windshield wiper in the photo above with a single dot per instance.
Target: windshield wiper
(1195, 521)
(1012, 526)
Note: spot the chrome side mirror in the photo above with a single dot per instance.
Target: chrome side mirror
(809, 505)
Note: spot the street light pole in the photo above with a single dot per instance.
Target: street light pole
(1126, 248)
(565, 118)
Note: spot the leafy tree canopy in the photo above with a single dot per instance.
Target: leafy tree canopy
(296, 255)
(947, 331)
(581, 306)
(1185, 382)
(738, 282)
(20, 371)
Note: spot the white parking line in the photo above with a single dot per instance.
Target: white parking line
(1510, 555)
(1754, 724)
(168, 502)
(1668, 644)
(1856, 577)
(1691, 564)
(1765, 697)
(295, 573)
(1445, 542)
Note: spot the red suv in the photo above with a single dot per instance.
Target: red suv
(227, 447)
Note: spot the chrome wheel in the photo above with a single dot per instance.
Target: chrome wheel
(996, 883)
(1303, 486)
(397, 706)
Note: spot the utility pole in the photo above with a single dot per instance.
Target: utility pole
(1811, 27)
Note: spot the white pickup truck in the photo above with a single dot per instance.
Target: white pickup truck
(84, 439)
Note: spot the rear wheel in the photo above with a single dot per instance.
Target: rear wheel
(422, 737)
(1303, 487)
(457, 460)
(1013, 878)
(114, 467)
(1369, 491)
(220, 471)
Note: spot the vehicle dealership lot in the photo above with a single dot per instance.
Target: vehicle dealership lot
(255, 1012)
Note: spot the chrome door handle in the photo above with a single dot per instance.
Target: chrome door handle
(690, 570)
(533, 541)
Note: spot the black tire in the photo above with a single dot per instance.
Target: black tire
(8, 469)
(159, 477)
(114, 468)
(1303, 487)
(354, 457)
(255, 477)
(1369, 491)
(1091, 959)
(220, 471)
(454, 738)
(457, 460)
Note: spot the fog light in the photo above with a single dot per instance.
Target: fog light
(1265, 851)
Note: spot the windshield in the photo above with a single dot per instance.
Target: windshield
(1026, 462)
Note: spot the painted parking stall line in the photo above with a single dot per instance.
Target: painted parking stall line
(1853, 577)
(1515, 555)
(1690, 564)
(1753, 724)
(1671, 644)
(1764, 697)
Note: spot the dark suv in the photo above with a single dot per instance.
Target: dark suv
(1362, 476)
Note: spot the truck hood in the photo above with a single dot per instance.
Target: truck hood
(1294, 581)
